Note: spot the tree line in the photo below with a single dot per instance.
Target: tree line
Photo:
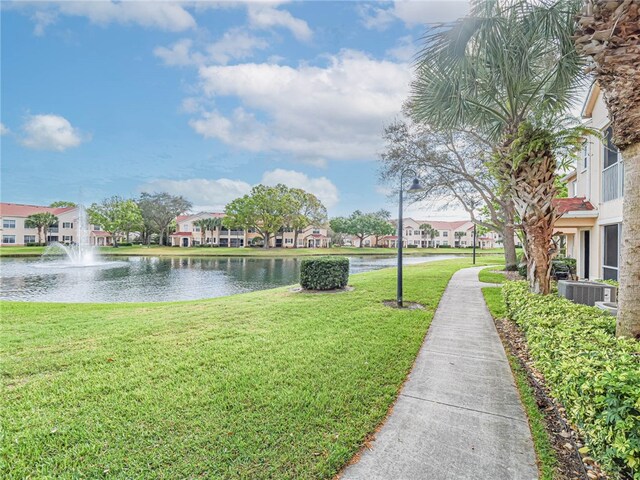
(489, 124)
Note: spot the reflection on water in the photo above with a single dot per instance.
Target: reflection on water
(154, 279)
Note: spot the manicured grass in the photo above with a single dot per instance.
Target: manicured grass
(547, 459)
(491, 275)
(252, 252)
(269, 384)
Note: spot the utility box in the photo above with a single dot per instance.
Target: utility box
(587, 293)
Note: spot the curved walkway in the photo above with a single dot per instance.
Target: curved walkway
(458, 415)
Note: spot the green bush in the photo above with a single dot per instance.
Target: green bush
(595, 375)
(324, 273)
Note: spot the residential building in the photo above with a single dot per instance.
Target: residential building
(14, 232)
(189, 234)
(457, 234)
(592, 215)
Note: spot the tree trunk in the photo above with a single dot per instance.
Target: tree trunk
(361, 241)
(628, 323)
(266, 240)
(295, 238)
(539, 257)
(510, 257)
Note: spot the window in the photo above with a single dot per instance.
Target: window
(416, 232)
(611, 153)
(586, 152)
(445, 234)
(612, 169)
(53, 228)
(96, 228)
(196, 229)
(416, 242)
(67, 238)
(288, 240)
(186, 227)
(445, 243)
(29, 239)
(67, 224)
(8, 239)
(611, 252)
(8, 223)
(316, 231)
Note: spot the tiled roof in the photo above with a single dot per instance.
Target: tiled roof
(21, 210)
(564, 205)
(199, 215)
(100, 233)
(181, 234)
(443, 225)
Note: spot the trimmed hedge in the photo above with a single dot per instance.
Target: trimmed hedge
(324, 273)
(595, 375)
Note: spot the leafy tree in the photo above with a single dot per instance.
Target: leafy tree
(363, 225)
(608, 32)
(116, 216)
(307, 210)
(452, 165)
(159, 210)
(266, 209)
(429, 232)
(62, 203)
(42, 222)
(510, 72)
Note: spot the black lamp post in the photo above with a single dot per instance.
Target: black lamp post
(415, 187)
(474, 243)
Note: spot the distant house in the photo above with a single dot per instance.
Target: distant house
(592, 215)
(14, 232)
(189, 234)
(457, 233)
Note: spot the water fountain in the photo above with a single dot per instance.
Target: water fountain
(80, 253)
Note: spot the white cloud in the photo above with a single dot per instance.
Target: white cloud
(405, 50)
(321, 187)
(164, 15)
(233, 45)
(50, 132)
(207, 194)
(214, 194)
(179, 54)
(413, 13)
(315, 113)
(3, 129)
(267, 16)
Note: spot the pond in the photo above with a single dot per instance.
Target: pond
(156, 279)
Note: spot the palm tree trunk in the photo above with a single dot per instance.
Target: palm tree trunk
(628, 323)
(509, 243)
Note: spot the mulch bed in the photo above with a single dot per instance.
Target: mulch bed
(405, 305)
(565, 441)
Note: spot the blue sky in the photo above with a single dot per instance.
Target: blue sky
(204, 99)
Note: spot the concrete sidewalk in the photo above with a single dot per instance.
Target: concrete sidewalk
(459, 415)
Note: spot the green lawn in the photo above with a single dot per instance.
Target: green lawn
(491, 275)
(270, 384)
(252, 252)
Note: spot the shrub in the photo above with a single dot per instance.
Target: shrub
(595, 375)
(125, 244)
(324, 273)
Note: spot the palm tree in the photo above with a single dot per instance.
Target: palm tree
(609, 33)
(508, 72)
(202, 224)
(42, 221)
(428, 231)
(458, 236)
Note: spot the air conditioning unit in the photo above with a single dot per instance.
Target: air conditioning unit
(587, 293)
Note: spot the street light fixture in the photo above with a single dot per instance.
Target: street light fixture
(415, 187)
